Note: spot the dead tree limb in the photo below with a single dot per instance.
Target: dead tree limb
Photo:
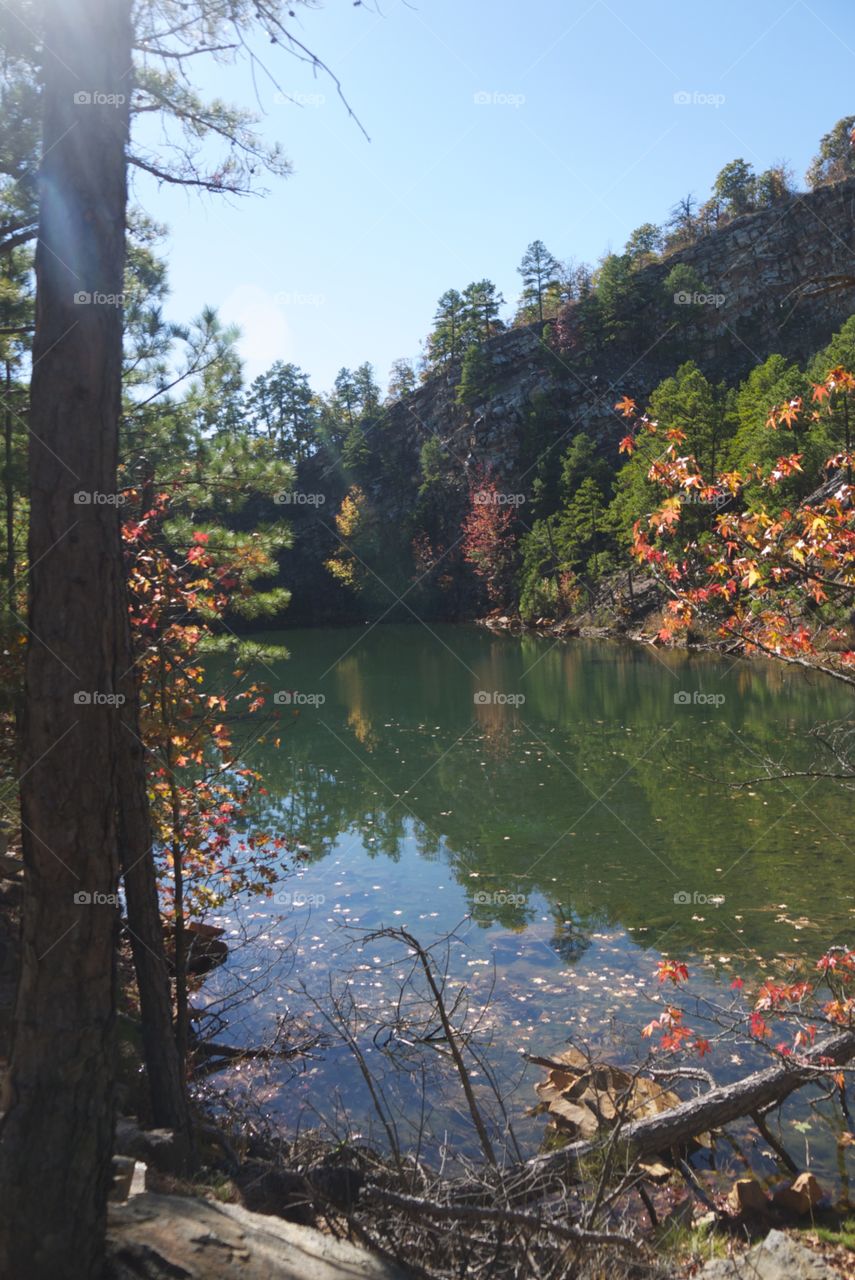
(512, 1217)
(714, 1109)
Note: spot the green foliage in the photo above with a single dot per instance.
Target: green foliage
(402, 379)
(685, 298)
(582, 461)
(280, 405)
(451, 333)
(774, 185)
(735, 188)
(541, 277)
(475, 384)
(839, 352)
(431, 458)
(482, 301)
(689, 403)
(620, 297)
(644, 245)
(835, 160)
(769, 384)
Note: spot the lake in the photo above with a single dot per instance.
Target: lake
(570, 812)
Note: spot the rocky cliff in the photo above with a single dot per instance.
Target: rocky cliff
(759, 291)
(762, 295)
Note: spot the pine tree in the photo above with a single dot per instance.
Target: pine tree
(482, 301)
(449, 336)
(541, 277)
(281, 405)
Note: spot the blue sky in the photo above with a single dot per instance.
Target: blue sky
(492, 123)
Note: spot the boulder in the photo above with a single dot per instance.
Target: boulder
(153, 1237)
(775, 1258)
(162, 1149)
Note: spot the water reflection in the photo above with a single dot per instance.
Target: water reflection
(598, 777)
(572, 825)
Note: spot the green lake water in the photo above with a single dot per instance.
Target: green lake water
(569, 811)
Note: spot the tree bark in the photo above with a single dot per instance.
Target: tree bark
(57, 1101)
(169, 1109)
(714, 1109)
(9, 492)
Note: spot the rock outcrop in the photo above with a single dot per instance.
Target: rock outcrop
(760, 270)
(155, 1237)
(761, 296)
(776, 1258)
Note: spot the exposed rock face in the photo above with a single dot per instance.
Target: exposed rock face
(755, 268)
(154, 1237)
(536, 399)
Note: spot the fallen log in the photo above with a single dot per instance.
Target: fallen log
(209, 1058)
(713, 1110)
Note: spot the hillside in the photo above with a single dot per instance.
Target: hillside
(530, 391)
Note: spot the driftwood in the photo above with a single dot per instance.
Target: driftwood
(714, 1109)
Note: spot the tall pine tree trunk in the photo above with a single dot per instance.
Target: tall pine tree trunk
(160, 1049)
(57, 1101)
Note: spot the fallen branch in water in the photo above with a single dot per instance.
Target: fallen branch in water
(718, 1107)
(218, 1056)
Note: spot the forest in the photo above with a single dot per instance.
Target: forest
(385, 882)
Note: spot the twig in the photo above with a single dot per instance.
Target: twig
(472, 1213)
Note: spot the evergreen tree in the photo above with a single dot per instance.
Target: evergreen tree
(450, 334)
(621, 297)
(281, 405)
(541, 277)
(705, 414)
(767, 386)
(482, 301)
